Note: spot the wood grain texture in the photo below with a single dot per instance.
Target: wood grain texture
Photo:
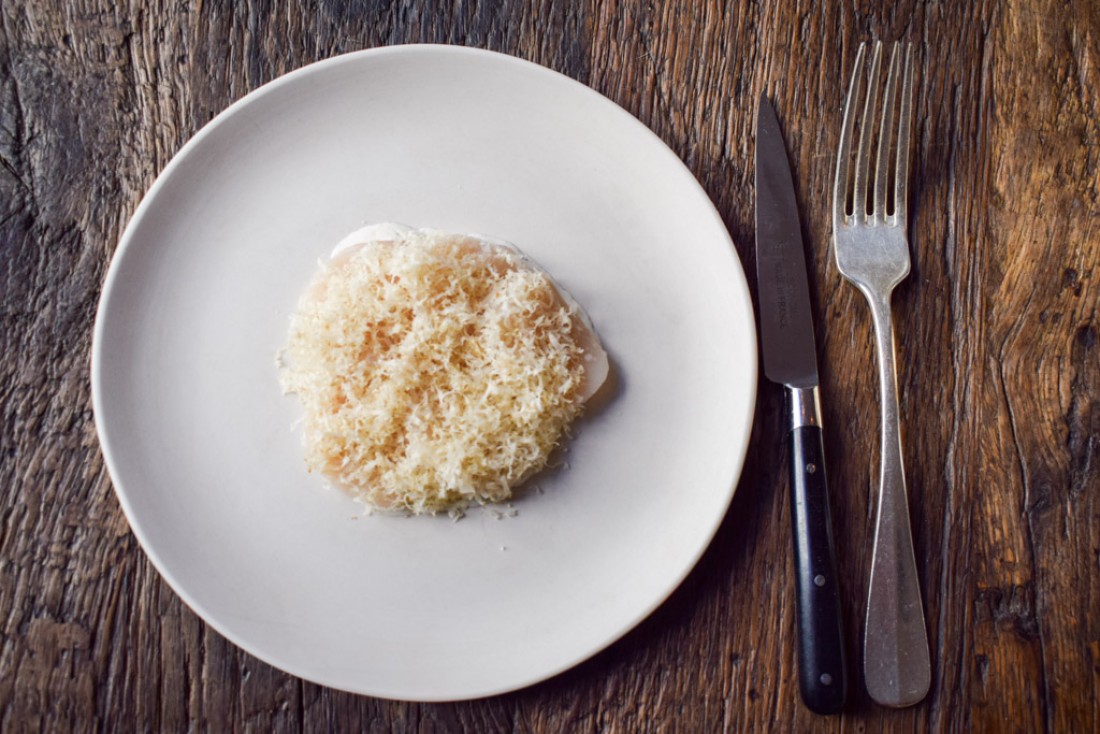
(999, 343)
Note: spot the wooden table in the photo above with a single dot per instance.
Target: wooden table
(999, 347)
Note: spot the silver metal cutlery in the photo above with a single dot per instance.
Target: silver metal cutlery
(872, 251)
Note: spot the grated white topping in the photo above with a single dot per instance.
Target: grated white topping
(435, 370)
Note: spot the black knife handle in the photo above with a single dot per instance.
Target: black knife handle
(822, 668)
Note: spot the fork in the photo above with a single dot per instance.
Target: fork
(872, 252)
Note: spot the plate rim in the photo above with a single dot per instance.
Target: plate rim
(740, 286)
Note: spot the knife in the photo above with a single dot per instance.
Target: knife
(790, 358)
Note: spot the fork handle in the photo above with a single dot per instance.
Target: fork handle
(896, 661)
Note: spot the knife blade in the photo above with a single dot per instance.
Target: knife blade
(790, 359)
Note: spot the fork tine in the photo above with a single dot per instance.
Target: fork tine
(863, 163)
(842, 183)
(885, 137)
(901, 180)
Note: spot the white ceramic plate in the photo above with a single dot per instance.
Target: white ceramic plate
(198, 438)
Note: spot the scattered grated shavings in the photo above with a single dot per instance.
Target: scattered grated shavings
(435, 372)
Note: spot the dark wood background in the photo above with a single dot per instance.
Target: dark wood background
(998, 346)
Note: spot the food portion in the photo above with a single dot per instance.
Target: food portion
(436, 370)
